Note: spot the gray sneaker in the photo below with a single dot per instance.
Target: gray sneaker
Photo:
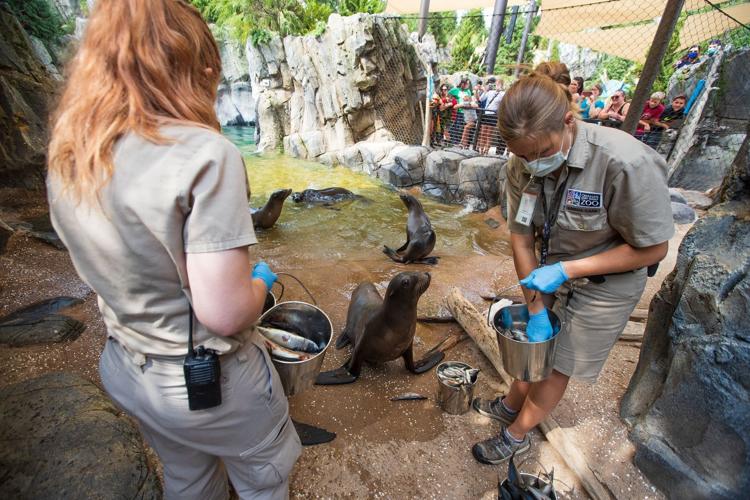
(494, 408)
(499, 449)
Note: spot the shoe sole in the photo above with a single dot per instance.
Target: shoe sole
(475, 405)
(486, 461)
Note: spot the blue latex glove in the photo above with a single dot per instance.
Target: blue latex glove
(546, 279)
(539, 328)
(263, 271)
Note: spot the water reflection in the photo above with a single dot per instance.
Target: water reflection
(354, 229)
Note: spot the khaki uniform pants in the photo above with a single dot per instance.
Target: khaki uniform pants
(595, 315)
(250, 432)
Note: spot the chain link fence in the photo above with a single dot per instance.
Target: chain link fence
(703, 74)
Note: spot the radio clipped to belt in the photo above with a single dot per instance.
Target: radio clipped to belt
(202, 374)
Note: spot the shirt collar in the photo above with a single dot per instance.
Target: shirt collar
(579, 152)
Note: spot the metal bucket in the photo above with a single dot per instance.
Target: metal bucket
(270, 301)
(296, 376)
(525, 361)
(530, 477)
(454, 400)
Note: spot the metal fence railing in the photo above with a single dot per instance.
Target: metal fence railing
(606, 45)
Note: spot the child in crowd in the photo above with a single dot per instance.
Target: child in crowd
(469, 105)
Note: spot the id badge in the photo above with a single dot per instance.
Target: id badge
(525, 212)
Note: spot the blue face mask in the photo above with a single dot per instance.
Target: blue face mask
(711, 51)
(692, 54)
(545, 166)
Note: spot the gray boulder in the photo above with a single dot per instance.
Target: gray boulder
(39, 323)
(482, 178)
(69, 441)
(675, 195)
(689, 399)
(683, 214)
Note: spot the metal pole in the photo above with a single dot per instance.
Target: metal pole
(424, 12)
(496, 31)
(512, 24)
(524, 39)
(653, 63)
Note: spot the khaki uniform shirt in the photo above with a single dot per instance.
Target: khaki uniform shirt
(616, 193)
(163, 201)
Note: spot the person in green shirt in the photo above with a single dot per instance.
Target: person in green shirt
(457, 127)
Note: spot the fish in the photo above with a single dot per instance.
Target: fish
(409, 396)
(289, 340)
(284, 354)
(456, 377)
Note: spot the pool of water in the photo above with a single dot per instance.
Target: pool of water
(356, 229)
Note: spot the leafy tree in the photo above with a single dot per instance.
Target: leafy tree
(442, 25)
(470, 34)
(38, 19)
(507, 53)
(350, 7)
(671, 56)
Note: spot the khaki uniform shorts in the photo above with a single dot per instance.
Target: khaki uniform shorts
(595, 315)
(249, 436)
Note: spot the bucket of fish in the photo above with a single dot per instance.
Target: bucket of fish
(456, 381)
(270, 301)
(297, 335)
(524, 360)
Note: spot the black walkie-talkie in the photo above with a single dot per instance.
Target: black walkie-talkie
(202, 374)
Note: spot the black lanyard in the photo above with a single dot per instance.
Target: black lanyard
(550, 215)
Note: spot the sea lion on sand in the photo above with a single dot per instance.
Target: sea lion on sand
(420, 238)
(382, 329)
(325, 196)
(268, 215)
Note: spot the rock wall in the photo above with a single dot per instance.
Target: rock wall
(25, 89)
(689, 399)
(713, 133)
(361, 80)
(235, 104)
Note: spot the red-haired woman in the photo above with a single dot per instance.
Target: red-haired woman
(151, 202)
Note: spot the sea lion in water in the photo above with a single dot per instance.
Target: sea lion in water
(325, 196)
(268, 215)
(420, 238)
(382, 329)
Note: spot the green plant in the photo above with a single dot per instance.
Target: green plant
(470, 34)
(260, 36)
(350, 7)
(38, 19)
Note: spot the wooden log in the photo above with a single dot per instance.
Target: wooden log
(640, 315)
(449, 342)
(475, 324)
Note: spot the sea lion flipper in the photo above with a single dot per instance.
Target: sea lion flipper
(427, 260)
(335, 377)
(343, 340)
(422, 365)
(392, 254)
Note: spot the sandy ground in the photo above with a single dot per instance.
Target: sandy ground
(384, 449)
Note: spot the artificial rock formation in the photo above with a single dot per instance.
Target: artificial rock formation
(710, 139)
(25, 89)
(235, 104)
(361, 80)
(63, 438)
(689, 399)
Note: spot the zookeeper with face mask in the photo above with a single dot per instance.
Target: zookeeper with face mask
(595, 201)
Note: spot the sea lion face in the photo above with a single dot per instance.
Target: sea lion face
(408, 199)
(298, 196)
(408, 286)
(281, 194)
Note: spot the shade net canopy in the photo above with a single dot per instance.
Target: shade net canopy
(626, 28)
(412, 6)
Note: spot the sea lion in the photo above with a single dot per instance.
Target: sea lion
(268, 215)
(382, 329)
(420, 238)
(325, 196)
